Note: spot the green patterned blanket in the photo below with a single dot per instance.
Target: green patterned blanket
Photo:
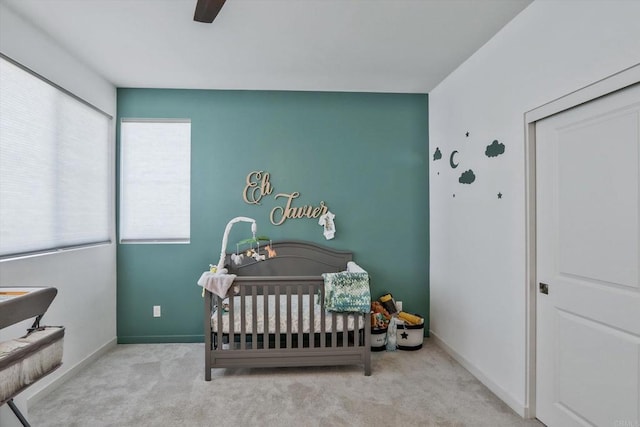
(347, 292)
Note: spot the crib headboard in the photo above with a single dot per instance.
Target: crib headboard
(295, 258)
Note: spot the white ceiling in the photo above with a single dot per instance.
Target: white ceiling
(405, 46)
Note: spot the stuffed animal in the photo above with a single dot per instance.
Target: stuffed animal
(410, 319)
(270, 251)
(380, 317)
(376, 307)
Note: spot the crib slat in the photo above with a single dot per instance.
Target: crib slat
(345, 330)
(208, 335)
(289, 343)
(356, 329)
(276, 292)
(254, 317)
(312, 320)
(265, 319)
(334, 326)
(300, 323)
(219, 314)
(243, 318)
(232, 321)
(323, 318)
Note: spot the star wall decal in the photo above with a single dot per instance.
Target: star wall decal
(467, 134)
(499, 195)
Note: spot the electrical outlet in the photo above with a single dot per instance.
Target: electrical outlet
(156, 311)
(399, 305)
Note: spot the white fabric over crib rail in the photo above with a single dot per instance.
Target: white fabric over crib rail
(217, 283)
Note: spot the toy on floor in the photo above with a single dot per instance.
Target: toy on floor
(410, 319)
(388, 303)
(392, 339)
(380, 317)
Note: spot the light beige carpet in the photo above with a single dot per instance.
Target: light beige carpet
(163, 385)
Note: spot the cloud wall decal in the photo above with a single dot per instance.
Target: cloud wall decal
(467, 177)
(494, 149)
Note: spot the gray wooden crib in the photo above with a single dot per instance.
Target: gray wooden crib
(276, 317)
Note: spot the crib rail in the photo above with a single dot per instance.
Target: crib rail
(303, 343)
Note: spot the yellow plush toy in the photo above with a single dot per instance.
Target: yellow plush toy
(410, 319)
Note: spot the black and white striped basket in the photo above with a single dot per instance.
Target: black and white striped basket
(409, 337)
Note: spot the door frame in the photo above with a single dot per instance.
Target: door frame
(598, 89)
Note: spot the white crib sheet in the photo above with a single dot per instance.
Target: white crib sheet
(271, 320)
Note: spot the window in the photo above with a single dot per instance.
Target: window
(54, 166)
(155, 168)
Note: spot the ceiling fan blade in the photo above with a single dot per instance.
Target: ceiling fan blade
(207, 10)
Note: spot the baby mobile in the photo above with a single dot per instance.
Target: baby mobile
(251, 251)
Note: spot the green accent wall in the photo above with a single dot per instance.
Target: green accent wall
(365, 155)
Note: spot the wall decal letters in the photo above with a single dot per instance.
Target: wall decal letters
(280, 214)
(258, 185)
(253, 193)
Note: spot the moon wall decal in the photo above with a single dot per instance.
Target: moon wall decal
(451, 160)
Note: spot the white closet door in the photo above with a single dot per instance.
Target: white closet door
(588, 234)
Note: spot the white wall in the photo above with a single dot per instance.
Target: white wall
(478, 255)
(86, 278)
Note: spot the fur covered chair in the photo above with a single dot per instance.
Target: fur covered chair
(26, 359)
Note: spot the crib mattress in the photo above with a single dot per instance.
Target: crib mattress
(25, 360)
(270, 321)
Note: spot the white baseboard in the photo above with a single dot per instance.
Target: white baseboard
(71, 372)
(513, 403)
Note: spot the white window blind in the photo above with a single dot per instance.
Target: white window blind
(155, 168)
(54, 166)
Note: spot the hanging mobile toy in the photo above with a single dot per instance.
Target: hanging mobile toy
(251, 251)
(237, 257)
(270, 251)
